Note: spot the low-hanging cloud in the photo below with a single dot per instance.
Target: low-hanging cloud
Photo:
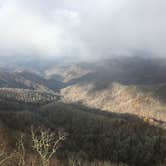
(82, 28)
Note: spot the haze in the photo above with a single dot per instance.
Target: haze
(82, 29)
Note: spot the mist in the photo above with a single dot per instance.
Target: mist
(82, 29)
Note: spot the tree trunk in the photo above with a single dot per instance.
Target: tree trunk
(45, 162)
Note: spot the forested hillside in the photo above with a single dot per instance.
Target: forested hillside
(92, 136)
(96, 118)
(27, 80)
(27, 96)
(146, 101)
(82, 83)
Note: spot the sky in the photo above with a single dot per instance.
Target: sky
(82, 29)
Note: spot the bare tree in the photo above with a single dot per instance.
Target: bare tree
(21, 151)
(4, 157)
(46, 144)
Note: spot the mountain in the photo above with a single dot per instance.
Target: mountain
(91, 133)
(27, 95)
(26, 87)
(51, 83)
(112, 111)
(134, 85)
(28, 80)
(67, 73)
(126, 70)
(118, 98)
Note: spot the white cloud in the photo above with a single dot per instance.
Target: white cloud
(82, 28)
(21, 30)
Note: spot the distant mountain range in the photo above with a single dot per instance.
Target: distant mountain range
(112, 110)
(124, 84)
(134, 85)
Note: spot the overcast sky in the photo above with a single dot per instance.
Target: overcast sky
(82, 28)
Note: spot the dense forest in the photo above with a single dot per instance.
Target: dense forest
(55, 119)
(92, 137)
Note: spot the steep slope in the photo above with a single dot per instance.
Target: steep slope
(15, 80)
(95, 135)
(117, 98)
(67, 73)
(25, 89)
(125, 70)
(28, 80)
(136, 70)
(53, 84)
(27, 96)
(124, 84)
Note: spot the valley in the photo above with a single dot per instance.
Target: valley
(82, 83)
(108, 118)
